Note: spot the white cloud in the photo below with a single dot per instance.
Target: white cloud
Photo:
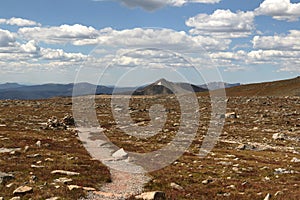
(30, 47)
(60, 55)
(6, 38)
(19, 22)
(58, 34)
(151, 5)
(128, 38)
(223, 24)
(290, 41)
(279, 9)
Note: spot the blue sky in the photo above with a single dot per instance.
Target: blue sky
(59, 40)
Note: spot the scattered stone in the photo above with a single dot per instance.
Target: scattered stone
(37, 166)
(231, 187)
(63, 180)
(53, 198)
(34, 156)
(38, 143)
(295, 160)
(156, 195)
(49, 160)
(22, 190)
(207, 181)
(279, 136)
(176, 186)
(278, 193)
(120, 154)
(283, 171)
(68, 120)
(246, 147)
(9, 150)
(69, 173)
(16, 198)
(231, 115)
(88, 189)
(72, 187)
(4, 177)
(26, 148)
(9, 185)
(224, 163)
(268, 197)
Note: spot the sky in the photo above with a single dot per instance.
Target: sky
(130, 42)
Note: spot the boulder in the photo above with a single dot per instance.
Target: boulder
(155, 195)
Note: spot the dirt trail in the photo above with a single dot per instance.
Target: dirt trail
(127, 178)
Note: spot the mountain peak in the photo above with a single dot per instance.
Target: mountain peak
(161, 81)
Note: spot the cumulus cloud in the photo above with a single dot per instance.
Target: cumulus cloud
(6, 38)
(290, 41)
(223, 24)
(58, 34)
(151, 5)
(279, 9)
(128, 38)
(19, 22)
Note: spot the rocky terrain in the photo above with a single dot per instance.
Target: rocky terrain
(257, 155)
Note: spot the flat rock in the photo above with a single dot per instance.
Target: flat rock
(69, 173)
(63, 180)
(9, 150)
(176, 186)
(22, 190)
(120, 154)
(72, 187)
(155, 195)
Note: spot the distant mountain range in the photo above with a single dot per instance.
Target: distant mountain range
(163, 87)
(289, 87)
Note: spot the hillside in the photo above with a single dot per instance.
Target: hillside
(290, 87)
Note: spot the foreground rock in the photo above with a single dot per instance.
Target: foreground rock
(22, 190)
(69, 173)
(4, 177)
(156, 195)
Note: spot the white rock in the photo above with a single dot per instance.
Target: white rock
(22, 190)
(176, 186)
(267, 197)
(156, 195)
(120, 154)
(63, 180)
(69, 173)
(38, 143)
(279, 136)
(53, 198)
(15, 198)
(295, 160)
(72, 187)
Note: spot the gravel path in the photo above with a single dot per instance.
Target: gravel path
(127, 178)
